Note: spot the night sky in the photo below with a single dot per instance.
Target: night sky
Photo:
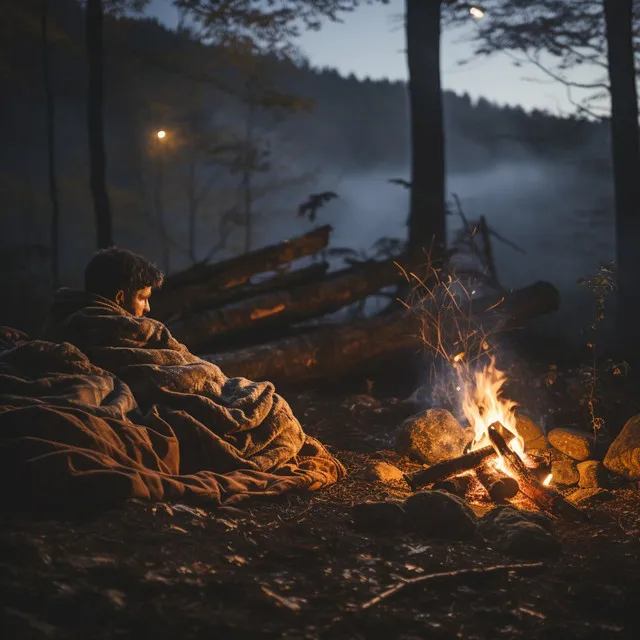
(370, 43)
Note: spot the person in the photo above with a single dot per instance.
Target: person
(124, 277)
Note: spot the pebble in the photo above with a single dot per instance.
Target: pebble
(576, 444)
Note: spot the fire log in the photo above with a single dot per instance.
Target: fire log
(181, 288)
(547, 499)
(340, 348)
(499, 486)
(448, 468)
(280, 309)
(458, 485)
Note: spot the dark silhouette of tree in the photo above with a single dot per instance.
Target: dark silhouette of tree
(51, 144)
(625, 141)
(427, 208)
(94, 42)
(600, 33)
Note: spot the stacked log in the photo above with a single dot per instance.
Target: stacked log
(213, 308)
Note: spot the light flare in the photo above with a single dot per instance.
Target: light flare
(547, 481)
(476, 12)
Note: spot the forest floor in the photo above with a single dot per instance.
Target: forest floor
(297, 568)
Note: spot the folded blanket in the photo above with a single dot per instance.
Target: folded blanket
(111, 407)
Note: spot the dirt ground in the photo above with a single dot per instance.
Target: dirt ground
(297, 568)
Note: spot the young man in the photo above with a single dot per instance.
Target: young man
(123, 277)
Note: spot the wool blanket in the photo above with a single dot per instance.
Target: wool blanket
(109, 407)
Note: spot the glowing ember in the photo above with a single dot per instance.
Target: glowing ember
(547, 481)
(483, 405)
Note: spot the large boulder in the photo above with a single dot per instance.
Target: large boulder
(564, 472)
(532, 434)
(623, 456)
(520, 534)
(576, 444)
(439, 514)
(432, 436)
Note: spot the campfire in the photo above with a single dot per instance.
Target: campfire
(495, 455)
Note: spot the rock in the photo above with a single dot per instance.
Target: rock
(593, 475)
(532, 434)
(565, 473)
(383, 472)
(520, 534)
(587, 497)
(440, 514)
(378, 516)
(431, 436)
(623, 456)
(576, 444)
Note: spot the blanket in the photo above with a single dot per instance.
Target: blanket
(109, 407)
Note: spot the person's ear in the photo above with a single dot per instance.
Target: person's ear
(120, 297)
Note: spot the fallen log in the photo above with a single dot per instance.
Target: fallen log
(181, 288)
(499, 486)
(284, 280)
(546, 498)
(337, 349)
(448, 468)
(282, 308)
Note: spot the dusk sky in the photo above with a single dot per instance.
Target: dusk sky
(370, 42)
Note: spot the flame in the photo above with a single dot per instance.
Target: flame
(483, 404)
(547, 481)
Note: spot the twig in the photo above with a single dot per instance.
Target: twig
(460, 573)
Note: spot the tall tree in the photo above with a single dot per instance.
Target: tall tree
(51, 143)
(427, 206)
(94, 42)
(559, 36)
(625, 140)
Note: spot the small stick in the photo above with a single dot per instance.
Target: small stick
(499, 486)
(444, 470)
(547, 499)
(460, 573)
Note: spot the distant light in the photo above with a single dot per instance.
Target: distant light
(161, 134)
(477, 13)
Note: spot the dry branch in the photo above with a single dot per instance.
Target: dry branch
(546, 498)
(455, 576)
(448, 468)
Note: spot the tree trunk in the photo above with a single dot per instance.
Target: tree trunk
(183, 287)
(51, 146)
(94, 42)
(331, 351)
(625, 138)
(254, 318)
(427, 225)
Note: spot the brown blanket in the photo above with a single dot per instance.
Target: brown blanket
(126, 411)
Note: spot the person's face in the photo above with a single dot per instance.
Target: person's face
(137, 304)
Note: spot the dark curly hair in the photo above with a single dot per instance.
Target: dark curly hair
(112, 270)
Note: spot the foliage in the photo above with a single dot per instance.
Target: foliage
(559, 37)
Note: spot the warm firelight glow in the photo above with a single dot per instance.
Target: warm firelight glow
(161, 134)
(476, 12)
(483, 405)
(547, 481)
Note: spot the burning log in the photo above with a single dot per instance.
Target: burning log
(449, 468)
(182, 288)
(546, 498)
(340, 348)
(282, 308)
(499, 486)
(458, 485)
